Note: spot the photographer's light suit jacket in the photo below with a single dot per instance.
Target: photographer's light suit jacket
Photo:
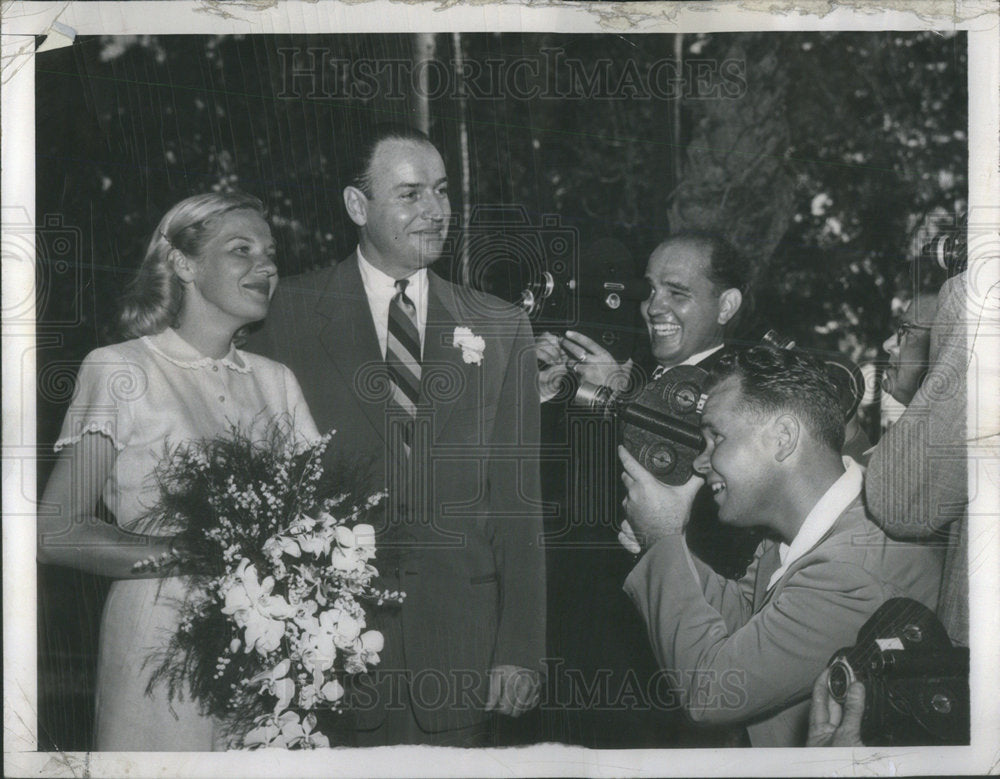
(917, 485)
(473, 568)
(745, 654)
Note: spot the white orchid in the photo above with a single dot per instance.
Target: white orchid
(276, 546)
(366, 650)
(276, 682)
(312, 536)
(255, 609)
(319, 652)
(347, 561)
(286, 731)
(320, 691)
(315, 543)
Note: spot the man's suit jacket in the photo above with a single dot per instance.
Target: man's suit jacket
(917, 483)
(472, 562)
(740, 653)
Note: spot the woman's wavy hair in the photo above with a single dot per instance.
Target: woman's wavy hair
(152, 301)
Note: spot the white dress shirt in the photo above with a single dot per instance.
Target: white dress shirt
(826, 511)
(694, 359)
(380, 290)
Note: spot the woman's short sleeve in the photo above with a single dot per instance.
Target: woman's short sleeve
(107, 386)
(298, 410)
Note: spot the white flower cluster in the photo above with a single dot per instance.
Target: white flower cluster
(312, 631)
(473, 346)
(291, 584)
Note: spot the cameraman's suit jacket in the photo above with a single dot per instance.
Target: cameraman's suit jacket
(472, 566)
(741, 653)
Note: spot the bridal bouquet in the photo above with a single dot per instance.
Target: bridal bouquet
(280, 557)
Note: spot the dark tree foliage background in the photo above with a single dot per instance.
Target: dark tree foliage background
(819, 154)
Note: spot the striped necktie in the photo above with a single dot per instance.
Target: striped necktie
(402, 358)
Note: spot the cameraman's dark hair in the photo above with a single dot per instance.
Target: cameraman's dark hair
(728, 268)
(386, 131)
(775, 380)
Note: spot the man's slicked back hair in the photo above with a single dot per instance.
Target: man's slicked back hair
(387, 131)
(728, 268)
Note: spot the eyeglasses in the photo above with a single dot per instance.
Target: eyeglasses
(904, 327)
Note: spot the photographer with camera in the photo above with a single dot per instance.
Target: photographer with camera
(698, 287)
(916, 485)
(748, 652)
(925, 497)
(698, 282)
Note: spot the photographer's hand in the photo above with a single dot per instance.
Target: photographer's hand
(593, 363)
(831, 725)
(654, 510)
(552, 365)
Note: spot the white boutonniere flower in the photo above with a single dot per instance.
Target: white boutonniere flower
(473, 346)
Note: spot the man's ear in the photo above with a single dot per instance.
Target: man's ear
(183, 265)
(786, 430)
(356, 203)
(729, 303)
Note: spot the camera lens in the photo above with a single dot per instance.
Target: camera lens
(840, 679)
(947, 251)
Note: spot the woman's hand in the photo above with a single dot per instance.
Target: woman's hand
(70, 534)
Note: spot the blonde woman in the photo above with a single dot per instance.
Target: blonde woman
(208, 272)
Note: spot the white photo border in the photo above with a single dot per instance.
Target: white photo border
(23, 21)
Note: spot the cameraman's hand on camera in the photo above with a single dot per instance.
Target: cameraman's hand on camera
(654, 510)
(552, 365)
(833, 725)
(593, 363)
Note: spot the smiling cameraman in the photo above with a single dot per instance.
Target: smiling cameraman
(748, 652)
(699, 285)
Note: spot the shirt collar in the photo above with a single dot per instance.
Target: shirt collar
(826, 511)
(694, 359)
(375, 279)
(169, 345)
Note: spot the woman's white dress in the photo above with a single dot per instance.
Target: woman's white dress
(146, 395)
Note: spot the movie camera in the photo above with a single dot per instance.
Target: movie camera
(659, 423)
(916, 682)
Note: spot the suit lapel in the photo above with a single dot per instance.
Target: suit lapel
(441, 356)
(769, 563)
(350, 342)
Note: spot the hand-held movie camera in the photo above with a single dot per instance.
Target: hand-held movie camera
(660, 422)
(916, 682)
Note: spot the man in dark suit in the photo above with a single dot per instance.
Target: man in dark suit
(698, 286)
(698, 283)
(436, 386)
